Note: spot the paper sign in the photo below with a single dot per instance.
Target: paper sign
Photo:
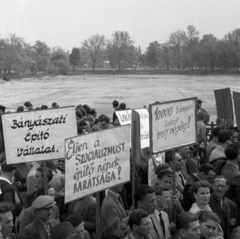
(125, 118)
(96, 161)
(37, 135)
(172, 124)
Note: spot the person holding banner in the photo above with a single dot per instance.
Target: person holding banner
(112, 207)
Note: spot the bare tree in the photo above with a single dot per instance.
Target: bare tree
(94, 45)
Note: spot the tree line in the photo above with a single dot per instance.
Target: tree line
(183, 50)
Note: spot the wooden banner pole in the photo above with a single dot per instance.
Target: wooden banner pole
(98, 215)
(45, 177)
(133, 163)
(174, 183)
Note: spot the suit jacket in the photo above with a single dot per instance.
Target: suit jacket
(228, 210)
(188, 199)
(35, 230)
(86, 209)
(29, 215)
(156, 231)
(111, 210)
(166, 225)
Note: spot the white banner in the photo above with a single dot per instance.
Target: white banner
(173, 124)
(96, 161)
(37, 135)
(125, 118)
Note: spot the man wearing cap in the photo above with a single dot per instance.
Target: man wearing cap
(42, 225)
(199, 107)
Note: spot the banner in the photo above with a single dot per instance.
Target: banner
(224, 104)
(125, 118)
(172, 124)
(37, 135)
(96, 161)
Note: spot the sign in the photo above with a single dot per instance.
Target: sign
(172, 124)
(96, 161)
(125, 118)
(236, 98)
(224, 104)
(37, 135)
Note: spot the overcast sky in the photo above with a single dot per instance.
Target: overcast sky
(66, 23)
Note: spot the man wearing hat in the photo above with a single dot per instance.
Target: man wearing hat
(41, 226)
(200, 109)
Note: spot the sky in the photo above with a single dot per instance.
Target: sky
(66, 23)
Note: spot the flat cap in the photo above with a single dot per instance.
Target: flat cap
(42, 202)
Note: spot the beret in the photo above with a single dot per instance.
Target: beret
(43, 202)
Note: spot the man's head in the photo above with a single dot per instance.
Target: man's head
(8, 170)
(145, 198)
(208, 223)
(232, 151)
(206, 172)
(220, 186)
(163, 196)
(115, 231)
(28, 105)
(117, 188)
(55, 105)
(51, 192)
(2, 109)
(184, 151)
(165, 175)
(38, 180)
(6, 218)
(224, 137)
(178, 159)
(64, 230)
(215, 132)
(122, 106)
(139, 223)
(43, 207)
(104, 122)
(188, 226)
(115, 104)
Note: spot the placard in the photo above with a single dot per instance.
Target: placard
(172, 124)
(37, 135)
(125, 118)
(96, 161)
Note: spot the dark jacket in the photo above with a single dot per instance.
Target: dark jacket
(35, 230)
(226, 213)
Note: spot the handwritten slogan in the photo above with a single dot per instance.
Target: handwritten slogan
(125, 118)
(38, 135)
(172, 124)
(96, 161)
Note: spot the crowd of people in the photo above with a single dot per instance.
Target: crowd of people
(205, 201)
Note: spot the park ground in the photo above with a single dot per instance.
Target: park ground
(98, 91)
